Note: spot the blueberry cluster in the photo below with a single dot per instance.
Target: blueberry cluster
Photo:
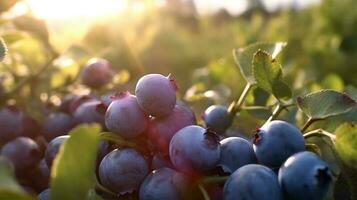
(173, 156)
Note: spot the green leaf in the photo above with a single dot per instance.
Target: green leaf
(346, 144)
(9, 188)
(267, 73)
(3, 49)
(281, 90)
(244, 56)
(325, 103)
(73, 174)
(352, 91)
(260, 96)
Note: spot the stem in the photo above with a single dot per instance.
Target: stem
(117, 139)
(236, 105)
(255, 108)
(204, 192)
(279, 108)
(319, 133)
(215, 179)
(308, 123)
(104, 189)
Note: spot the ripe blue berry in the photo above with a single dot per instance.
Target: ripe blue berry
(276, 141)
(125, 117)
(29, 127)
(252, 182)
(53, 149)
(57, 124)
(194, 149)
(108, 98)
(159, 161)
(156, 94)
(97, 73)
(305, 176)
(44, 195)
(217, 118)
(90, 112)
(37, 177)
(161, 130)
(23, 152)
(235, 153)
(122, 171)
(164, 183)
(75, 101)
(10, 123)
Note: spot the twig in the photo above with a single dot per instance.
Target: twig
(236, 105)
(308, 123)
(204, 192)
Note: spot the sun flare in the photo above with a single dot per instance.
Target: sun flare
(69, 9)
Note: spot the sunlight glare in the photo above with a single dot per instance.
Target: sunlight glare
(68, 9)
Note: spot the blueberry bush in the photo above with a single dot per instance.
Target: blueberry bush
(74, 126)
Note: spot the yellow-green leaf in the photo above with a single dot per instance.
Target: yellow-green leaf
(346, 144)
(73, 174)
(9, 188)
(267, 73)
(244, 56)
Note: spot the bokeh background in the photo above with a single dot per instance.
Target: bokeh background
(191, 39)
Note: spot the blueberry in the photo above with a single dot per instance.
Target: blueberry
(90, 112)
(29, 127)
(57, 124)
(276, 141)
(156, 94)
(164, 183)
(104, 148)
(66, 102)
(77, 100)
(235, 153)
(305, 176)
(45, 195)
(23, 152)
(217, 118)
(108, 98)
(161, 130)
(53, 149)
(97, 73)
(194, 149)
(14, 122)
(252, 182)
(122, 171)
(10, 123)
(159, 161)
(38, 177)
(125, 117)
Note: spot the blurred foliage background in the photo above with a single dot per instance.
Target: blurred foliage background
(46, 56)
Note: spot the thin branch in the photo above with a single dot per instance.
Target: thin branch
(204, 192)
(214, 179)
(236, 105)
(308, 124)
(320, 133)
(100, 187)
